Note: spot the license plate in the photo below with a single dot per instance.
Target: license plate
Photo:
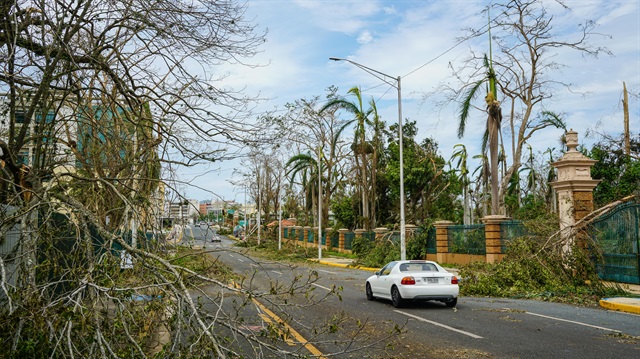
(431, 280)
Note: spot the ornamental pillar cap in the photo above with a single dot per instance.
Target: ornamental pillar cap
(573, 167)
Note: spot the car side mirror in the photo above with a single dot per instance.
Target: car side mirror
(377, 273)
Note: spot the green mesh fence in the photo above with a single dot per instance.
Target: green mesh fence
(371, 236)
(618, 236)
(310, 236)
(467, 239)
(509, 230)
(335, 239)
(431, 241)
(301, 235)
(348, 239)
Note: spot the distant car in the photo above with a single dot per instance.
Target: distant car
(216, 238)
(400, 281)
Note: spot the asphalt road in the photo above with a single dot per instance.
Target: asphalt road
(347, 325)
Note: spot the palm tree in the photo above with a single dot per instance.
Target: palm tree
(306, 167)
(461, 155)
(492, 131)
(378, 148)
(361, 148)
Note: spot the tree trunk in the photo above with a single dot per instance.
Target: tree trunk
(495, 117)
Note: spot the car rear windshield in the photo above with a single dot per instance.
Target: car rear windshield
(418, 267)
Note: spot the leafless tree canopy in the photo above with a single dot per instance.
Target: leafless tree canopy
(525, 43)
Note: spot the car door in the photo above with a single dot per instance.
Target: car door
(381, 286)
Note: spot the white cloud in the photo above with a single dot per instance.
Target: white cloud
(365, 37)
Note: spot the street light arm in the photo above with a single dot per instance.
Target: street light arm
(379, 75)
(397, 86)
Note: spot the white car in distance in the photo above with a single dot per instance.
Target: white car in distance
(400, 281)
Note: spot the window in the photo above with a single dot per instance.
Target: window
(418, 267)
(387, 269)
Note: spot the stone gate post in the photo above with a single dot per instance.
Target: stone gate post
(574, 187)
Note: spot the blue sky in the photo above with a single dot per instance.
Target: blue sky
(413, 39)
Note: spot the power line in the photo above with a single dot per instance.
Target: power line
(475, 34)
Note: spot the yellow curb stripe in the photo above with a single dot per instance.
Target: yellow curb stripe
(284, 335)
(310, 347)
(620, 307)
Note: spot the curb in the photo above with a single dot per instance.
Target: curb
(628, 305)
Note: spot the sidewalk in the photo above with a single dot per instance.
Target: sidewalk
(622, 304)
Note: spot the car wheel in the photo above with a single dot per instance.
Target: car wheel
(369, 292)
(451, 303)
(396, 298)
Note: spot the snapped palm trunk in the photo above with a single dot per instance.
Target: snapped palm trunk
(495, 117)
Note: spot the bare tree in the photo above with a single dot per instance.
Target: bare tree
(523, 61)
(307, 129)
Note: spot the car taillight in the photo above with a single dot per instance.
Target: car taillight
(454, 280)
(408, 281)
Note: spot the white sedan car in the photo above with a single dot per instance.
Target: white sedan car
(413, 280)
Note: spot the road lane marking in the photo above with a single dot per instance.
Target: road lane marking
(326, 271)
(310, 347)
(234, 257)
(319, 286)
(276, 272)
(439, 324)
(574, 322)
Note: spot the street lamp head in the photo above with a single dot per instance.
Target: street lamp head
(335, 59)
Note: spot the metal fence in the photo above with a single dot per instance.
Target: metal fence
(335, 239)
(431, 241)
(371, 236)
(467, 239)
(618, 237)
(348, 239)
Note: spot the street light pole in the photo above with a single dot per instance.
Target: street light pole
(385, 78)
(319, 201)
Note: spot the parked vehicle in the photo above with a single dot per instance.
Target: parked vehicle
(400, 281)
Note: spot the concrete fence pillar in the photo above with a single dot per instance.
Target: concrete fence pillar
(492, 236)
(442, 240)
(341, 234)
